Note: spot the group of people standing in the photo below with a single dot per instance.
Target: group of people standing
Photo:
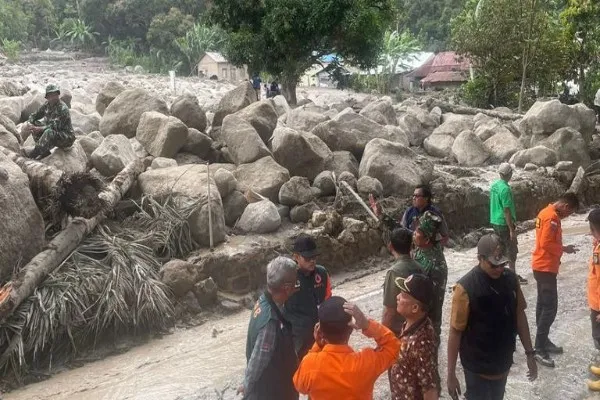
(298, 334)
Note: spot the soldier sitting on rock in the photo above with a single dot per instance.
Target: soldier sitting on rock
(50, 126)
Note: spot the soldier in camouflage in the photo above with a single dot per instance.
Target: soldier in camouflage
(51, 126)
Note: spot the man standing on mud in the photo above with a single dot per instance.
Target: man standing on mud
(400, 246)
(488, 311)
(545, 263)
(51, 125)
(503, 216)
(270, 350)
(314, 288)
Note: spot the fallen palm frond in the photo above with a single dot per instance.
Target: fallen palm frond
(165, 225)
(108, 287)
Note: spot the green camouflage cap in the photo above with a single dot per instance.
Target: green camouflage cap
(51, 88)
(430, 225)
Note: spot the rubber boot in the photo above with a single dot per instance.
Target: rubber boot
(595, 370)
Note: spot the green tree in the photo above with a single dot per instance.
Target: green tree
(166, 28)
(581, 19)
(14, 23)
(398, 48)
(285, 37)
(515, 46)
(198, 40)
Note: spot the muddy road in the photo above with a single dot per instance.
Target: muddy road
(207, 362)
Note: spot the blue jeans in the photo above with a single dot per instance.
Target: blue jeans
(479, 388)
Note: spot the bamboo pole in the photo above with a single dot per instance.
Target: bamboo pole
(210, 230)
(13, 293)
(360, 201)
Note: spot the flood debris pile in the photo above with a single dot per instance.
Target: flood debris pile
(242, 177)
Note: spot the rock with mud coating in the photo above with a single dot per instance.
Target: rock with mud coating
(161, 135)
(109, 92)
(197, 143)
(348, 178)
(325, 182)
(503, 144)
(569, 145)
(225, 181)
(206, 292)
(343, 161)
(123, 114)
(260, 217)
(89, 144)
(469, 150)
(21, 224)
(70, 160)
(380, 111)
(303, 119)
(539, 155)
(398, 168)
(113, 154)
(180, 276)
(242, 141)
(296, 191)
(264, 177)
(262, 116)
(302, 153)
(439, 145)
(235, 100)
(367, 185)
(303, 213)
(187, 109)
(163, 162)
(8, 140)
(234, 206)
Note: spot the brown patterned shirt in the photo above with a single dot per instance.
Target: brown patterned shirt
(415, 371)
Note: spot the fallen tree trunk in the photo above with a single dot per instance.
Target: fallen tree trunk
(13, 293)
(56, 192)
(456, 109)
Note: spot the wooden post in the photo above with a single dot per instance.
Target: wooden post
(210, 231)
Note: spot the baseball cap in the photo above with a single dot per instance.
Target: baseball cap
(490, 247)
(418, 286)
(331, 311)
(306, 246)
(505, 169)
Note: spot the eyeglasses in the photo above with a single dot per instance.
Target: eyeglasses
(503, 265)
(417, 196)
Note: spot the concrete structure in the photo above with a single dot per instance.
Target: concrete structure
(214, 64)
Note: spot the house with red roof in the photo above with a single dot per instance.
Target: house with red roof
(443, 70)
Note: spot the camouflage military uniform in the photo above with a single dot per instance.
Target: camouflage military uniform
(433, 262)
(56, 119)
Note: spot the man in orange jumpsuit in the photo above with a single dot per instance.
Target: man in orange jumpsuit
(332, 369)
(545, 264)
(593, 290)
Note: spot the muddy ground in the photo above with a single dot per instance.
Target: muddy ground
(207, 361)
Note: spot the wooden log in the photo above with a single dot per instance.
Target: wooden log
(456, 109)
(578, 184)
(13, 293)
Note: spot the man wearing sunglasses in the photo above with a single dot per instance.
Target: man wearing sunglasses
(314, 287)
(488, 312)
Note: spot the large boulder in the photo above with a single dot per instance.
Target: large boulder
(225, 181)
(302, 153)
(12, 107)
(397, 135)
(197, 143)
(187, 109)
(546, 117)
(70, 160)
(439, 145)
(281, 105)
(113, 155)
(260, 217)
(34, 100)
(122, 116)
(161, 135)
(233, 101)
(191, 182)
(343, 161)
(234, 206)
(454, 124)
(380, 111)
(264, 177)
(109, 92)
(21, 226)
(350, 132)
(326, 183)
(262, 116)
(367, 185)
(86, 123)
(303, 119)
(469, 150)
(303, 213)
(10, 88)
(398, 168)
(163, 162)
(486, 128)
(89, 145)
(569, 145)
(180, 276)
(424, 117)
(415, 131)
(9, 140)
(243, 142)
(503, 144)
(296, 191)
(539, 155)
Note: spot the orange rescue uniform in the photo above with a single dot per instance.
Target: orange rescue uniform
(338, 372)
(594, 279)
(548, 241)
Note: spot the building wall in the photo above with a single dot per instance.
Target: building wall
(224, 71)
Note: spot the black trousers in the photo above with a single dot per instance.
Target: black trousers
(479, 388)
(547, 306)
(595, 328)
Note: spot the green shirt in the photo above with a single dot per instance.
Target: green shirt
(402, 268)
(501, 197)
